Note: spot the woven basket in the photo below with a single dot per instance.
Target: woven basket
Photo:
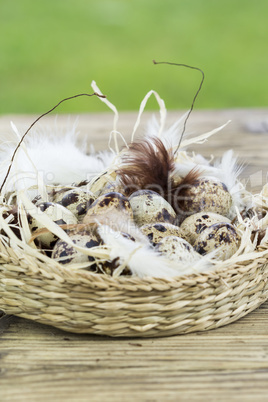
(80, 301)
(85, 302)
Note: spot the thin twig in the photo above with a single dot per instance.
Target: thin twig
(44, 114)
(192, 106)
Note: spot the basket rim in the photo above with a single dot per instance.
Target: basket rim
(100, 280)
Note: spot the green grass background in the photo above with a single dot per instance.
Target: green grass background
(53, 49)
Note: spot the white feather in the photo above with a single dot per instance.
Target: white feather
(56, 158)
(144, 261)
(169, 136)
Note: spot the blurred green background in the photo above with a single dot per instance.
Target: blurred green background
(53, 49)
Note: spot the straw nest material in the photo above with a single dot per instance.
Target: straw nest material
(145, 303)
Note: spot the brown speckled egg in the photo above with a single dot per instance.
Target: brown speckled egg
(108, 267)
(58, 214)
(177, 249)
(77, 201)
(158, 230)
(205, 194)
(110, 187)
(222, 236)
(108, 203)
(67, 254)
(57, 194)
(149, 207)
(102, 181)
(83, 185)
(36, 199)
(196, 223)
(253, 212)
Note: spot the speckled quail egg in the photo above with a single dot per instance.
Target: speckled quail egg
(204, 194)
(77, 201)
(259, 212)
(67, 254)
(108, 204)
(194, 224)
(11, 216)
(83, 185)
(109, 187)
(56, 194)
(177, 249)
(58, 214)
(101, 181)
(255, 213)
(36, 199)
(254, 217)
(148, 207)
(221, 236)
(158, 230)
(108, 267)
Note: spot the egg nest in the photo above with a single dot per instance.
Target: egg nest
(102, 227)
(155, 210)
(159, 241)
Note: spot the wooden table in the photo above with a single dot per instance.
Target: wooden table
(41, 363)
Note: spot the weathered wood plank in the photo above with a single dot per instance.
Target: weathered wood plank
(38, 363)
(227, 363)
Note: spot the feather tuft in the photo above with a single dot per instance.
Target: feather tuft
(147, 164)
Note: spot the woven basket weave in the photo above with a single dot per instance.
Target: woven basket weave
(85, 302)
(80, 301)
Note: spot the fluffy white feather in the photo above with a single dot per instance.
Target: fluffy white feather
(144, 261)
(170, 136)
(57, 159)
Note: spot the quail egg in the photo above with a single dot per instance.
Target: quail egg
(77, 201)
(56, 194)
(58, 214)
(259, 212)
(158, 230)
(108, 204)
(102, 181)
(108, 267)
(67, 254)
(36, 199)
(204, 194)
(194, 224)
(177, 249)
(253, 213)
(148, 207)
(83, 185)
(221, 236)
(11, 216)
(111, 186)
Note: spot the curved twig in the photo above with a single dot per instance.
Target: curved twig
(192, 106)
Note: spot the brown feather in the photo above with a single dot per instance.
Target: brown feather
(146, 165)
(188, 180)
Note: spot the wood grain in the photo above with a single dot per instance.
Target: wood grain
(40, 363)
